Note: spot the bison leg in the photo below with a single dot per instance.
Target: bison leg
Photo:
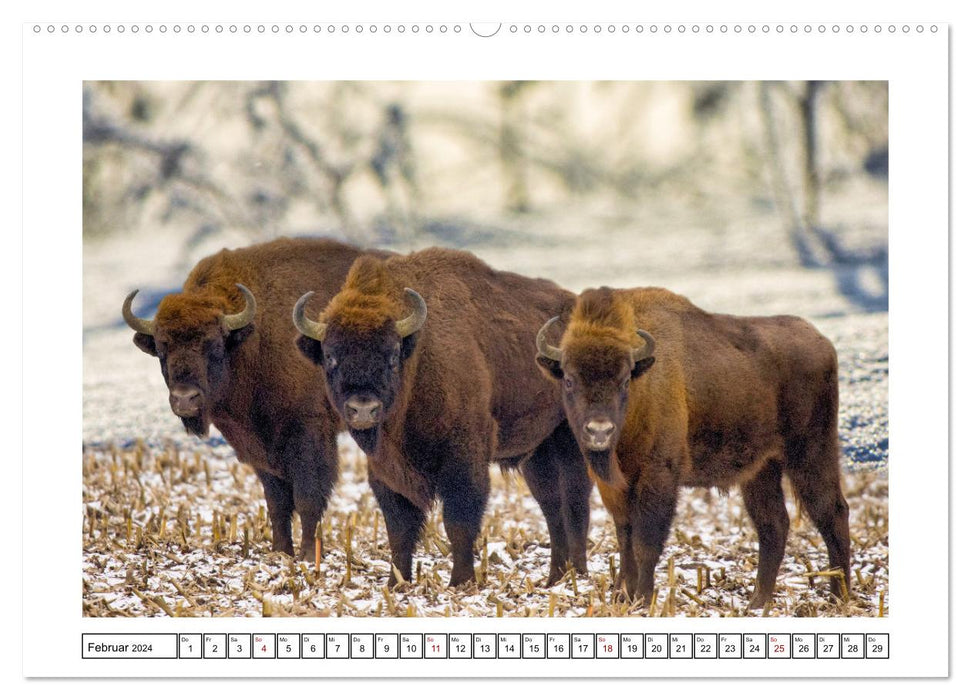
(404, 521)
(816, 480)
(627, 577)
(313, 466)
(537, 471)
(766, 505)
(651, 511)
(279, 505)
(558, 480)
(575, 487)
(310, 502)
(464, 490)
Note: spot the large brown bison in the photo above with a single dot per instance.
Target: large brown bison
(225, 345)
(423, 357)
(661, 394)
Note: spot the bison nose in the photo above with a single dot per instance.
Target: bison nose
(362, 414)
(185, 401)
(597, 433)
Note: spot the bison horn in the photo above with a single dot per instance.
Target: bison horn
(645, 350)
(416, 320)
(233, 322)
(139, 325)
(544, 348)
(311, 329)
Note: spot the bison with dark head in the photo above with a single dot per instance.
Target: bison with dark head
(422, 358)
(192, 336)
(363, 355)
(225, 348)
(661, 394)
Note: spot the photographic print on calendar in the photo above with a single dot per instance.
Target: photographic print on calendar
(572, 348)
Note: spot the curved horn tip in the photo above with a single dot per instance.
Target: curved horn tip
(645, 350)
(311, 329)
(234, 322)
(543, 347)
(416, 319)
(139, 325)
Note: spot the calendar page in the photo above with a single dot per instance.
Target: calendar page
(435, 347)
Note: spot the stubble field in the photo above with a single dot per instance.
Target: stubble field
(174, 525)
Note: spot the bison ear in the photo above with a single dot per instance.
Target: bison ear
(310, 348)
(641, 366)
(408, 344)
(236, 337)
(551, 368)
(145, 343)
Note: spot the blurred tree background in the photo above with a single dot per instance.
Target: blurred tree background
(416, 163)
(747, 197)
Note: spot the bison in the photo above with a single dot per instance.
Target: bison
(423, 357)
(662, 394)
(226, 350)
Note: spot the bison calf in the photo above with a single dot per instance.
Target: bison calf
(427, 358)
(661, 394)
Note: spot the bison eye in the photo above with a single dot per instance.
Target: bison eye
(330, 360)
(626, 384)
(568, 383)
(393, 360)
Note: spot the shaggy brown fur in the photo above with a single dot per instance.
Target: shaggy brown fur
(263, 398)
(369, 298)
(455, 395)
(724, 401)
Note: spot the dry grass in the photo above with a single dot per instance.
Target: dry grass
(169, 533)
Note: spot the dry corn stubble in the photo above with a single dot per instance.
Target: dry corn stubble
(183, 534)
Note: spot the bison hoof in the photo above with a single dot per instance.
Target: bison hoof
(839, 593)
(758, 602)
(461, 577)
(627, 585)
(622, 594)
(284, 547)
(397, 576)
(556, 575)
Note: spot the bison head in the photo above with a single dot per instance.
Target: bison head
(594, 368)
(362, 350)
(193, 339)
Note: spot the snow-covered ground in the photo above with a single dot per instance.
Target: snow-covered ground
(141, 469)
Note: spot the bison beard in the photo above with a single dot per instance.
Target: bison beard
(367, 440)
(197, 425)
(599, 461)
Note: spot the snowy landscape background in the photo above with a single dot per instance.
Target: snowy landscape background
(748, 198)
